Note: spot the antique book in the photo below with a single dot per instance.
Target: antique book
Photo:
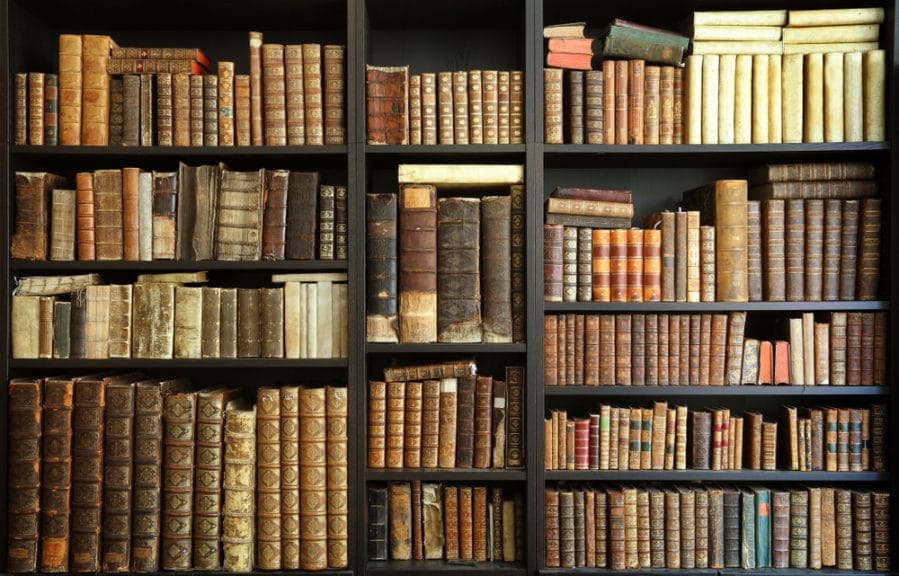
(70, 87)
(31, 239)
(154, 337)
(395, 425)
(880, 512)
(444, 101)
(249, 343)
(120, 306)
(24, 478)
(465, 422)
(188, 324)
(225, 103)
(268, 478)
(573, 99)
(165, 202)
(290, 477)
(117, 491)
(458, 270)
(707, 263)
(197, 110)
(239, 220)
(228, 322)
(377, 539)
(293, 85)
(483, 422)
(334, 93)
(387, 104)
(61, 319)
(271, 323)
(381, 299)
(164, 112)
(312, 94)
(302, 212)
(96, 322)
(377, 424)
(50, 108)
(256, 92)
(242, 110)
(295, 100)
(460, 107)
(336, 409)
(56, 467)
(181, 109)
(179, 418)
(313, 477)
(130, 213)
(869, 227)
(496, 289)
(108, 214)
(400, 520)
(238, 488)
(95, 90)
(418, 263)
(412, 426)
(474, 113)
(21, 105)
(428, 108)
(273, 94)
(552, 106)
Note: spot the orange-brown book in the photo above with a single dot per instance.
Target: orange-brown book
(622, 77)
(618, 265)
(273, 94)
(312, 94)
(652, 265)
(242, 130)
(412, 425)
(652, 102)
(95, 90)
(766, 362)
(181, 109)
(634, 265)
(608, 102)
(256, 115)
(377, 424)
(395, 435)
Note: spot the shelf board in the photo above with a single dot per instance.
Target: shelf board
(702, 391)
(446, 474)
(568, 571)
(713, 476)
(137, 363)
(170, 265)
(460, 150)
(713, 572)
(644, 150)
(673, 307)
(390, 567)
(175, 151)
(444, 348)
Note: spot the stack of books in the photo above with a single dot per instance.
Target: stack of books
(576, 47)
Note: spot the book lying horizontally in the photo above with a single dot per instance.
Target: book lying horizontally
(577, 47)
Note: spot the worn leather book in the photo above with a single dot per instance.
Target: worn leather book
(814, 249)
(774, 263)
(445, 107)
(430, 423)
(636, 70)
(608, 102)
(458, 270)
(228, 323)
(268, 478)
(387, 89)
(196, 110)
(460, 107)
(754, 249)
(238, 488)
(179, 417)
(450, 526)
(271, 322)
(880, 512)
(479, 523)
(210, 91)
(515, 431)
(844, 529)
(225, 103)
(412, 425)
(799, 528)
(702, 528)
(155, 304)
(377, 523)
(326, 210)
(869, 226)
(483, 422)
(188, 329)
(552, 106)
(118, 463)
(341, 226)
(794, 239)
(465, 422)
(145, 119)
(56, 465)
(448, 427)
(731, 528)
(95, 90)
(61, 319)
(24, 475)
(164, 112)
(120, 306)
(707, 263)
(622, 101)
(418, 264)
(242, 120)
(273, 94)
(313, 478)
(197, 207)
(290, 479)
(656, 528)
(96, 324)
(239, 221)
(428, 108)
(593, 105)
(108, 212)
(496, 290)
(566, 529)
(31, 239)
(336, 410)
(552, 262)
(70, 86)
(503, 108)
(377, 424)
(302, 212)
(334, 94)
(516, 109)
(395, 424)
(416, 522)
(490, 107)
(181, 109)
(693, 258)
(21, 107)
(248, 323)
(117, 111)
(701, 440)
(400, 521)
(618, 266)
(634, 265)
(49, 109)
(381, 257)
(415, 109)
(312, 94)
(165, 202)
(130, 214)
(256, 115)
(573, 100)
(550, 350)
(466, 527)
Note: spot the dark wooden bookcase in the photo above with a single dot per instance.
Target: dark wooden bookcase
(433, 36)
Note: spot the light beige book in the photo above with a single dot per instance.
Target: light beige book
(792, 85)
(54, 285)
(96, 322)
(833, 97)
(808, 348)
(831, 47)
(292, 322)
(173, 278)
(145, 215)
(760, 99)
(731, 47)
(853, 97)
(45, 328)
(874, 73)
(743, 100)
(26, 314)
(461, 175)
(323, 317)
(833, 17)
(188, 322)
(120, 306)
(312, 321)
(831, 34)
(693, 107)
(797, 362)
(239, 488)
(813, 106)
(710, 99)
(775, 99)
(727, 71)
(741, 18)
(310, 277)
(737, 33)
(508, 532)
(339, 331)
(154, 304)
(304, 331)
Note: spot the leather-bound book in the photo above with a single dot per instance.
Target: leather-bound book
(24, 476)
(196, 110)
(878, 437)
(867, 364)
(341, 226)
(70, 86)
(128, 132)
(634, 266)
(336, 410)
(608, 101)
(754, 249)
(644, 553)
(418, 263)
(96, 324)
(243, 135)
(550, 350)
(120, 305)
(503, 112)
(210, 345)
(181, 109)
(853, 348)
(716, 533)
(430, 423)
(165, 202)
(707, 263)
(334, 94)
(225, 104)
(638, 357)
(833, 215)
(668, 124)
(451, 521)
(880, 348)
(814, 249)
(118, 462)
(569, 263)
(516, 116)
(412, 424)
(814, 528)
(428, 108)
(702, 528)
(652, 104)
(479, 527)
(377, 523)
(799, 529)
(238, 488)
(566, 529)
(145, 215)
(600, 532)
(271, 322)
(416, 521)
(483, 426)
(552, 106)
(465, 422)
(844, 529)
(622, 350)
(381, 258)
(475, 112)
(50, 108)
(31, 239)
(608, 356)
(179, 417)
(686, 377)
(869, 228)
(718, 349)
(56, 468)
(313, 478)
(108, 213)
(688, 529)
(445, 129)
(448, 423)
(794, 239)
(145, 121)
(395, 424)
(155, 304)
(256, 91)
(377, 424)
(552, 262)
(130, 214)
(400, 521)
(147, 474)
(210, 115)
(652, 265)
(656, 528)
(268, 478)
(164, 112)
(312, 94)
(239, 219)
(693, 257)
(248, 323)
(273, 94)
(635, 95)
(188, 322)
(731, 528)
(780, 536)
(290, 477)
(773, 226)
(574, 106)
(490, 106)
(518, 268)
(228, 321)
(673, 536)
(387, 113)
(591, 350)
(631, 555)
(616, 529)
(95, 90)
(302, 212)
(680, 256)
(849, 249)
(496, 257)
(747, 529)
(552, 532)
(880, 512)
(21, 104)
(694, 349)
(600, 265)
(862, 531)
(458, 271)
(622, 101)
(701, 440)
(593, 104)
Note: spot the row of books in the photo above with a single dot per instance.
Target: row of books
(691, 528)
(431, 521)
(447, 423)
(712, 349)
(832, 439)
(110, 95)
(456, 107)
(459, 263)
(155, 318)
(118, 473)
(195, 213)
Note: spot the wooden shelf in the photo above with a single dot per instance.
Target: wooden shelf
(713, 476)
(639, 572)
(675, 307)
(701, 391)
(713, 572)
(448, 150)
(273, 266)
(387, 568)
(446, 474)
(445, 348)
(117, 363)
(706, 149)
(131, 152)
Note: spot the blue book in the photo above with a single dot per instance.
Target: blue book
(747, 539)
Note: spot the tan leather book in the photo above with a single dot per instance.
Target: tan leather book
(451, 521)
(418, 284)
(428, 108)
(479, 524)
(290, 477)
(411, 424)
(108, 211)
(432, 521)
(707, 263)
(448, 402)
(179, 417)
(239, 222)
(880, 512)
(120, 306)
(490, 107)
(273, 94)
(204, 110)
(36, 108)
(146, 110)
(238, 488)
(118, 462)
(225, 103)
(256, 107)
(268, 478)
(430, 424)
(183, 107)
(336, 411)
(70, 86)
(21, 107)
(295, 99)
(155, 304)
(95, 90)
(188, 330)
(400, 520)
(460, 107)
(503, 106)
(466, 523)
(334, 86)
(130, 214)
(24, 479)
(313, 479)
(96, 322)
(395, 424)
(516, 107)
(377, 424)
(31, 239)
(56, 465)
(164, 110)
(312, 94)
(828, 527)
(552, 106)
(483, 422)
(242, 110)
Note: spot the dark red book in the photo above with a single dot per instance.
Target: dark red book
(572, 61)
(619, 196)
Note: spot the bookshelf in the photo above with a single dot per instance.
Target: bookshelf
(504, 34)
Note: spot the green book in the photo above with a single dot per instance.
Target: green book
(747, 538)
(762, 527)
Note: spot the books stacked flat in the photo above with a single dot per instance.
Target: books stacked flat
(574, 46)
(130, 60)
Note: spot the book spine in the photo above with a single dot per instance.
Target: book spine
(418, 283)
(24, 475)
(268, 478)
(256, 90)
(70, 87)
(177, 508)
(226, 103)
(458, 270)
(516, 112)
(197, 110)
(116, 552)
(574, 98)
(242, 118)
(552, 106)
(95, 90)
(593, 107)
(181, 109)
(622, 77)
(273, 93)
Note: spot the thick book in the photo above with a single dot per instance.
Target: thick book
(313, 468)
(290, 477)
(458, 270)
(496, 256)
(24, 476)
(118, 470)
(418, 263)
(268, 478)
(273, 95)
(56, 465)
(239, 218)
(165, 203)
(377, 537)
(336, 411)
(179, 418)
(31, 238)
(387, 104)
(238, 488)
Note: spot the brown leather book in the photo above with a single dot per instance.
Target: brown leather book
(31, 239)
(707, 263)
(516, 118)
(731, 528)
(862, 529)
(21, 103)
(273, 94)
(336, 410)
(716, 549)
(210, 110)
(618, 262)
(849, 249)
(164, 112)
(616, 529)
(109, 214)
(799, 528)
(313, 478)
(552, 532)
(634, 265)
(702, 528)
(381, 260)
(290, 477)
(868, 249)
(593, 114)
(127, 133)
(503, 113)
(794, 239)
(377, 424)
(239, 221)
(622, 101)
(880, 512)
(312, 94)
(833, 215)
(475, 110)
(552, 262)
(428, 108)
(828, 528)
(652, 265)
(165, 201)
(249, 343)
(334, 94)
(341, 226)
(496, 290)
(50, 107)
(412, 425)
(693, 257)
(238, 487)
(853, 348)
(814, 249)
(181, 109)
(754, 249)
(179, 416)
(686, 377)
(56, 464)
(780, 533)
(806, 172)
(95, 90)
(718, 349)
(608, 101)
(243, 136)
(395, 424)
(268, 478)
(256, 97)
(652, 101)
(225, 103)
(693, 355)
(460, 107)
(702, 433)
(518, 267)
(24, 475)
(490, 105)
(844, 529)
(465, 422)
(733, 365)
(302, 212)
(656, 528)
(638, 356)
(672, 530)
(669, 88)
(458, 270)
(118, 463)
(430, 423)
(622, 350)
(566, 529)
(880, 349)
(552, 106)
(387, 113)
(275, 214)
(416, 521)
(680, 256)
(867, 365)
(130, 214)
(418, 263)
(445, 108)
(196, 110)
(635, 104)
(842, 189)
(479, 526)
(400, 520)
(774, 263)
(550, 350)
(705, 349)
(574, 106)
(70, 86)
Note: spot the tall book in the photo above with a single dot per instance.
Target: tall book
(95, 89)
(387, 104)
(179, 418)
(88, 418)
(313, 479)
(458, 270)
(118, 468)
(312, 94)
(62, 225)
(24, 476)
(417, 263)
(290, 477)
(273, 94)
(56, 467)
(336, 411)
(239, 219)
(238, 488)
(268, 478)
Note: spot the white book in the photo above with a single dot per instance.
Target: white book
(710, 99)
(727, 70)
(312, 321)
(759, 81)
(323, 320)
(833, 97)
(813, 125)
(775, 99)
(292, 321)
(743, 100)
(792, 89)
(304, 325)
(461, 175)
(797, 363)
(693, 105)
(741, 18)
(145, 215)
(853, 115)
